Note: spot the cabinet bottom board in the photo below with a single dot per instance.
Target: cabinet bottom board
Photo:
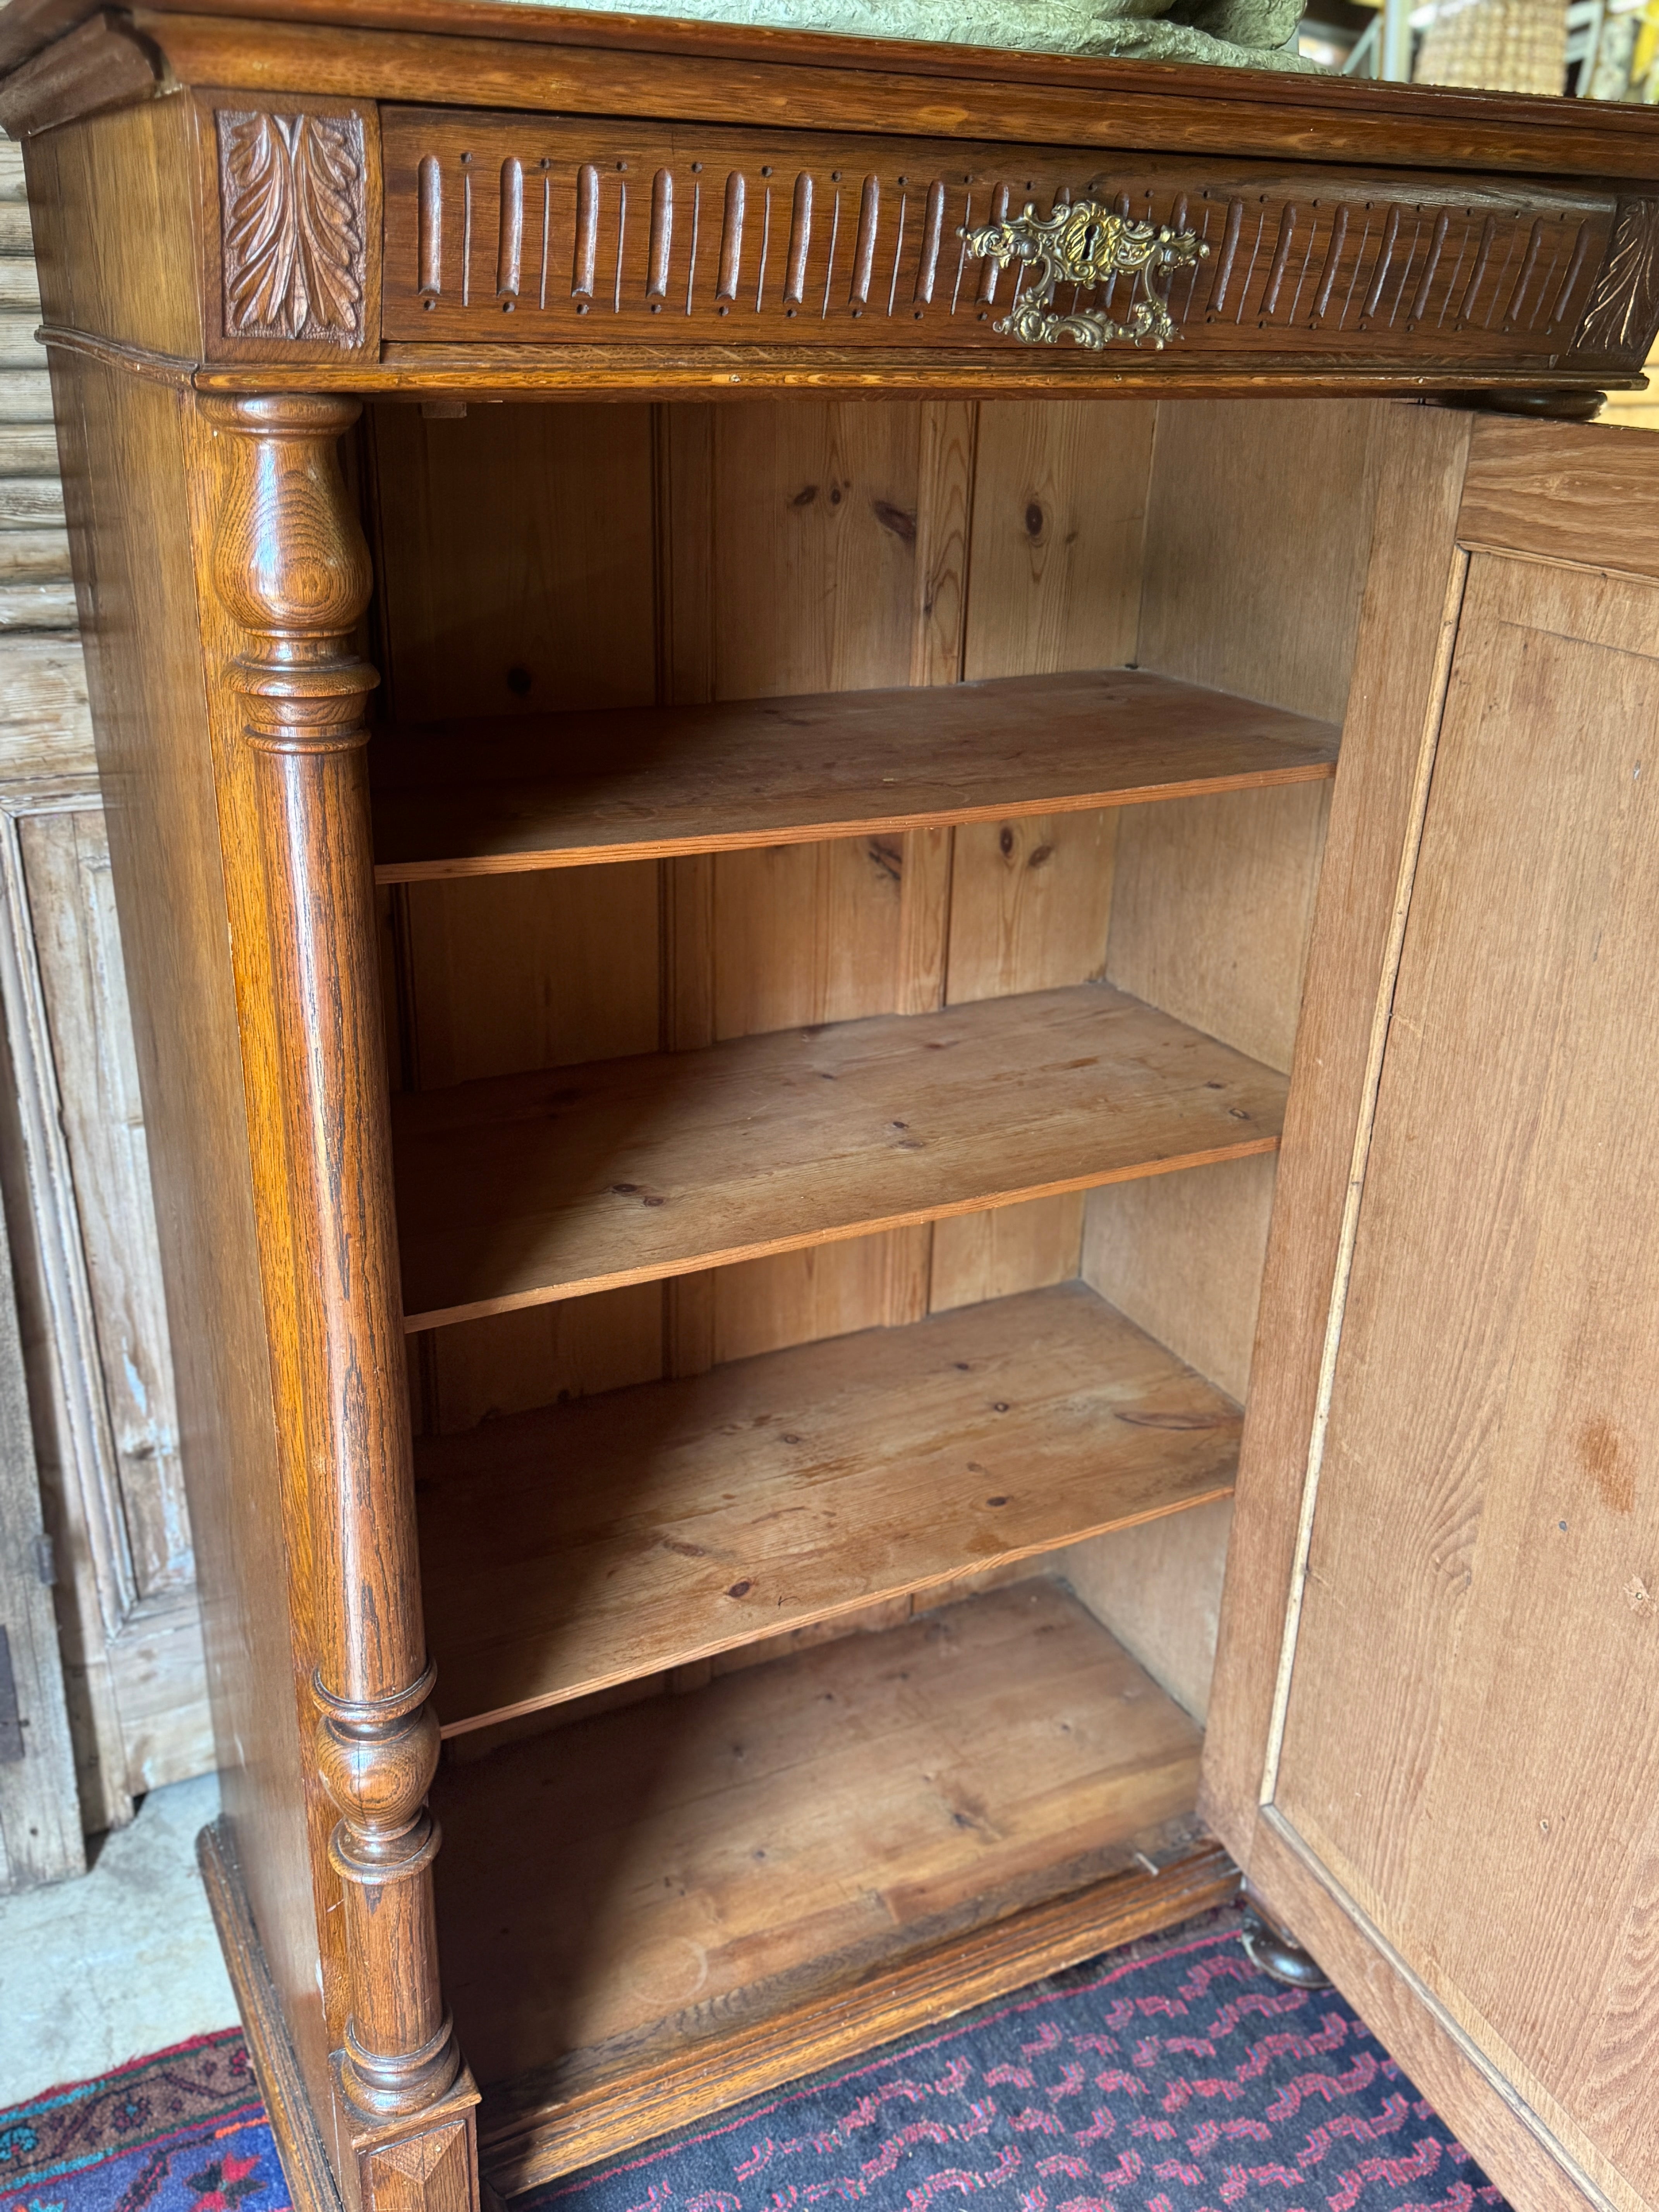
(520, 2151)
(528, 2150)
(653, 1911)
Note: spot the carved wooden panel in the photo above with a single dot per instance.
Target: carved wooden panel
(433, 2171)
(292, 191)
(518, 229)
(292, 201)
(1623, 313)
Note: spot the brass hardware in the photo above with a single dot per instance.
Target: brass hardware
(1087, 245)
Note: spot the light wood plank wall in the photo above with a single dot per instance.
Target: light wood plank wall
(625, 554)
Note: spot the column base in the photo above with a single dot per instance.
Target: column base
(423, 2162)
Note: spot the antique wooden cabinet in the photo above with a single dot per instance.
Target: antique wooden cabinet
(783, 722)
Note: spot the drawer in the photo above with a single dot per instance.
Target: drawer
(523, 229)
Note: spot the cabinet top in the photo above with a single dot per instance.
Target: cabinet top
(379, 49)
(438, 195)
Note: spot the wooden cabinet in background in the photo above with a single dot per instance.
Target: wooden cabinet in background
(719, 833)
(80, 1216)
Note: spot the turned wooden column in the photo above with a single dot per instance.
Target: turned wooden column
(292, 572)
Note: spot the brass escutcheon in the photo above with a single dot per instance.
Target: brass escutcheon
(1087, 245)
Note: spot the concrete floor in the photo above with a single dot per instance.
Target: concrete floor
(125, 1961)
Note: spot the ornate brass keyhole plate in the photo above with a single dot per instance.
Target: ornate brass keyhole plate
(1085, 245)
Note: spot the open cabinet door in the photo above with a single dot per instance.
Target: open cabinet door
(1432, 1742)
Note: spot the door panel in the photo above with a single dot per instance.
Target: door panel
(1433, 1745)
(1470, 1726)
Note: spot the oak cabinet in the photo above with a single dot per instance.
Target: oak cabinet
(862, 1004)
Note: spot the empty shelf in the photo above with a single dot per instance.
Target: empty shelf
(680, 1869)
(590, 1543)
(528, 1187)
(489, 797)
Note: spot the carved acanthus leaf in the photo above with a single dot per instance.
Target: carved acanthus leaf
(1623, 305)
(292, 206)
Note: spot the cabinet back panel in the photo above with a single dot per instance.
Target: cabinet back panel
(808, 547)
(691, 553)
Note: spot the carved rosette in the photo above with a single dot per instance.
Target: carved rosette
(292, 573)
(292, 194)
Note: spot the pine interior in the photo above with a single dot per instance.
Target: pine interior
(538, 560)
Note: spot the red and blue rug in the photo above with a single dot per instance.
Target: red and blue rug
(183, 2131)
(1176, 2079)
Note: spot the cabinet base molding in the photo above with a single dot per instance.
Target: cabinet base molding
(520, 2150)
(426, 2164)
(305, 2167)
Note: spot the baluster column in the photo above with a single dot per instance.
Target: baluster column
(292, 572)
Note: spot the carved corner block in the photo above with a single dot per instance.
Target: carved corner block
(1621, 318)
(431, 2166)
(292, 198)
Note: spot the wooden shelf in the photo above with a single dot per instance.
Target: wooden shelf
(528, 1187)
(560, 791)
(616, 1891)
(592, 1543)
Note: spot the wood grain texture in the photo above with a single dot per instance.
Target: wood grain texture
(300, 2146)
(141, 160)
(1501, 2133)
(543, 1186)
(568, 1954)
(515, 549)
(40, 1839)
(143, 673)
(46, 729)
(1182, 1256)
(923, 84)
(1157, 1587)
(291, 573)
(820, 548)
(1212, 910)
(636, 2104)
(1012, 1248)
(1257, 549)
(1059, 521)
(738, 237)
(587, 1543)
(1210, 919)
(90, 1286)
(512, 559)
(1522, 1444)
(575, 790)
(65, 857)
(1407, 610)
(98, 64)
(527, 971)
(292, 266)
(1582, 493)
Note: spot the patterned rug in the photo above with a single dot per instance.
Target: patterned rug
(1170, 2078)
(183, 2131)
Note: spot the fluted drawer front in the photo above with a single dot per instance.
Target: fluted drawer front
(526, 228)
